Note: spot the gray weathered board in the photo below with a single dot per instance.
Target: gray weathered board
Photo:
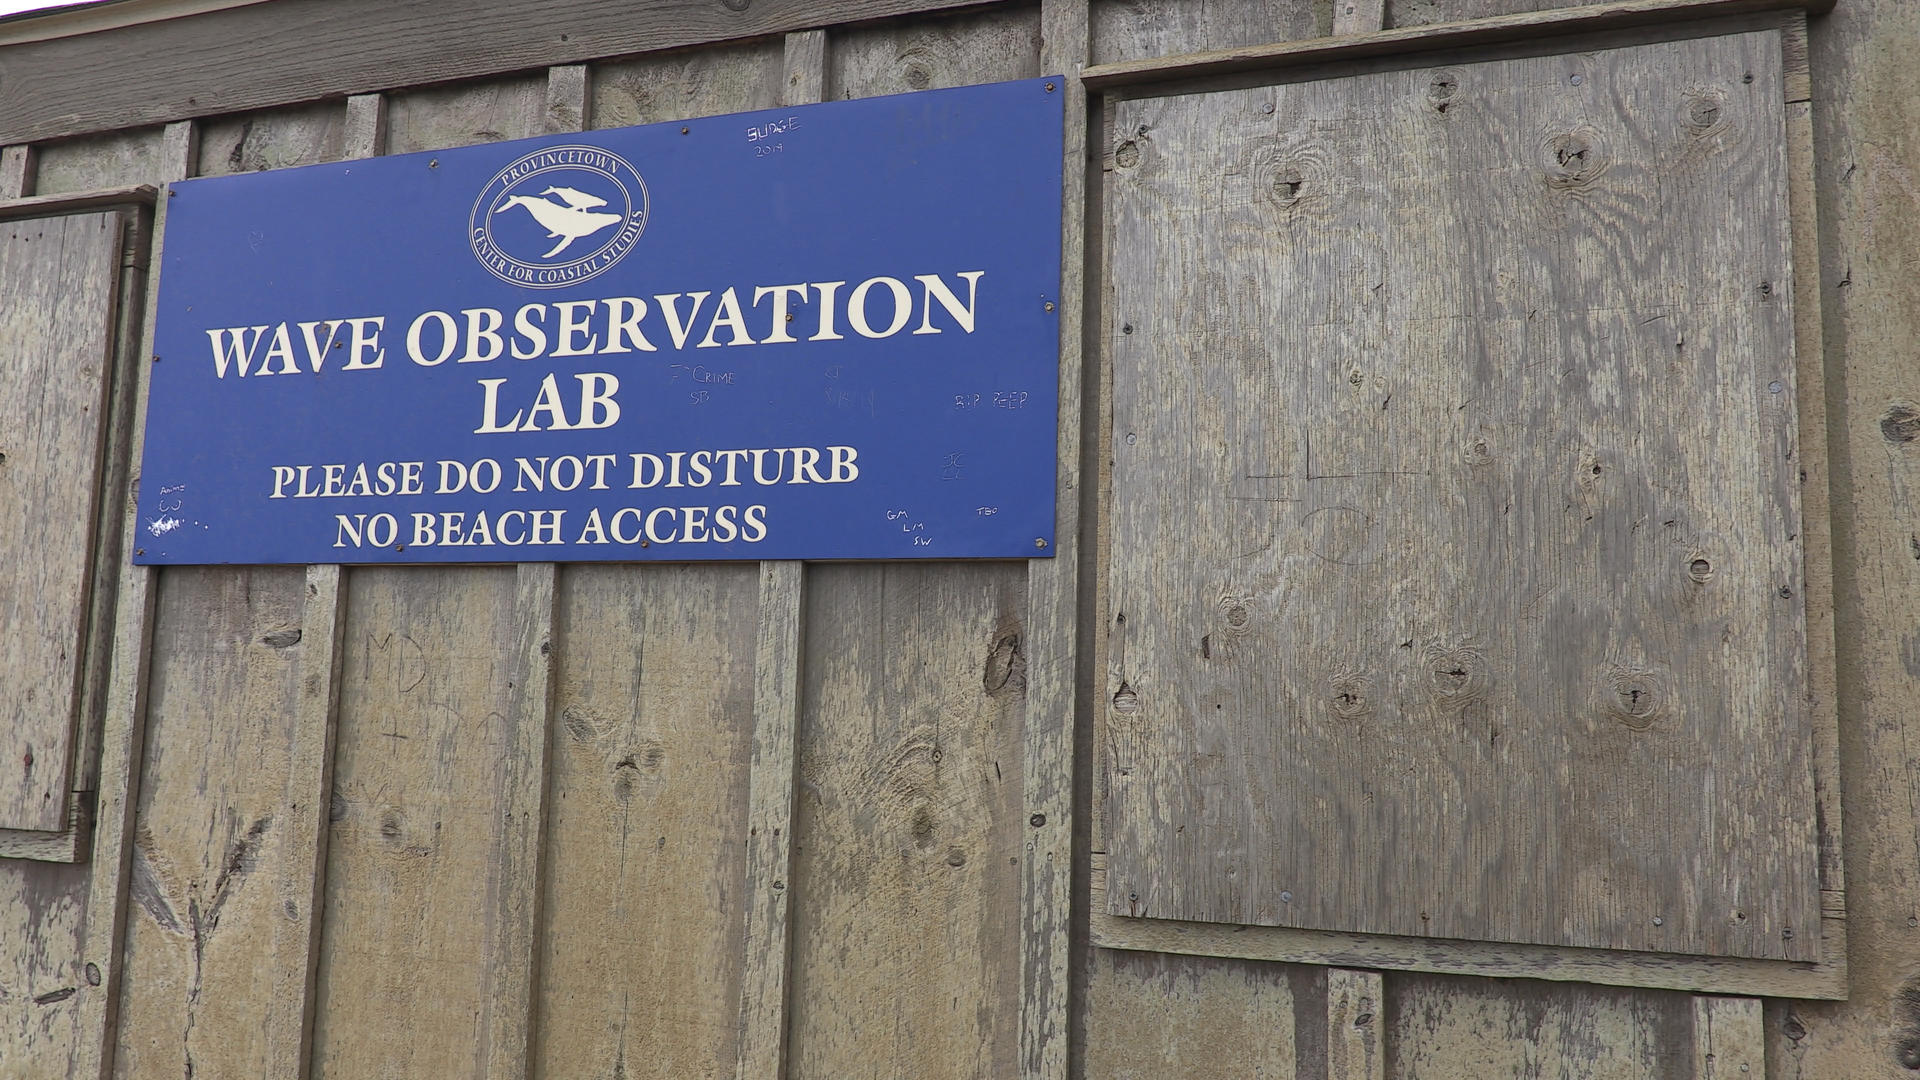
(1456, 561)
(57, 277)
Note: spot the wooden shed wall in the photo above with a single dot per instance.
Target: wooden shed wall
(701, 820)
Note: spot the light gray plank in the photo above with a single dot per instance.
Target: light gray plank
(1460, 533)
(894, 58)
(16, 171)
(117, 159)
(273, 139)
(60, 276)
(1047, 787)
(1359, 16)
(1443, 1028)
(462, 114)
(1729, 1039)
(1152, 1016)
(263, 56)
(1145, 29)
(1356, 1043)
(681, 85)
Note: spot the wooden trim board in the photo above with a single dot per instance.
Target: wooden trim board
(1502, 29)
(264, 55)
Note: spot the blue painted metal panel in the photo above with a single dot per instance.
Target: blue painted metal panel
(823, 332)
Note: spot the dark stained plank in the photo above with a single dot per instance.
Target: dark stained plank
(1456, 545)
(267, 55)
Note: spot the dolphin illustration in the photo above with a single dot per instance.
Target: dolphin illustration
(569, 222)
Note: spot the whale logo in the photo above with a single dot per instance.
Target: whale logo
(558, 216)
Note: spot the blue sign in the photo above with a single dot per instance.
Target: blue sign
(823, 332)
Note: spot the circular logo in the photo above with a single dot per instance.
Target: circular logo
(558, 216)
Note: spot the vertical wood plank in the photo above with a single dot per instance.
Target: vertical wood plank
(776, 722)
(1359, 16)
(1729, 1038)
(1053, 596)
(123, 729)
(16, 171)
(1445, 1027)
(1156, 1016)
(1355, 1049)
(1143, 29)
(776, 712)
(116, 159)
(516, 872)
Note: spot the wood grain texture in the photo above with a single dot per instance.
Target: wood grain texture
(653, 686)
(1444, 1028)
(1493, 30)
(123, 727)
(16, 171)
(118, 159)
(214, 845)
(60, 276)
(1152, 1016)
(910, 822)
(264, 56)
(894, 58)
(413, 930)
(1053, 592)
(273, 139)
(465, 113)
(1143, 29)
(44, 908)
(1462, 533)
(515, 886)
(1728, 1040)
(1718, 975)
(682, 85)
(770, 812)
(1865, 158)
(1402, 13)
(1359, 16)
(1356, 1040)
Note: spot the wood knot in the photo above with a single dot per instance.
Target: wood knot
(1477, 452)
(1700, 570)
(1901, 424)
(1348, 694)
(1235, 613)
(1440, 91)
(1456, 674)
(1125, 701)
(280, 639)
(1572, 159)
(1127, 154)
(1702, 112)
(1634, 696)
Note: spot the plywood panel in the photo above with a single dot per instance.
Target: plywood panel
(409, 946)
(683, 85)
(1139, 29)
(210, 828)
(654, 693)
(1444, 1028)
(59, 277)
(906, 919)
(1456, 544)
(1150, 1016)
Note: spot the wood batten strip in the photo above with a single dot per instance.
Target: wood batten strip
(123, 729)
(1356, 1045)
(76, 202)
(1811, 393)
(510, 1005)
(523, 809)
(776, 709)
(776, 722)
(294, 943)
(1359, 16)
(1729, 1038)
(302, 884)
(16, 171)
(1053, 595)
(1501, 29)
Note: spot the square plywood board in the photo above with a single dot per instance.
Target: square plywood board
(1456, 563)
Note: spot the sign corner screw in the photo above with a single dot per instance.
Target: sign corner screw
(1049, 88)
(433, 164)
(1049, 305)
(1039, 541)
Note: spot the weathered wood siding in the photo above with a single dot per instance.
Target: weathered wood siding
(728, 820)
